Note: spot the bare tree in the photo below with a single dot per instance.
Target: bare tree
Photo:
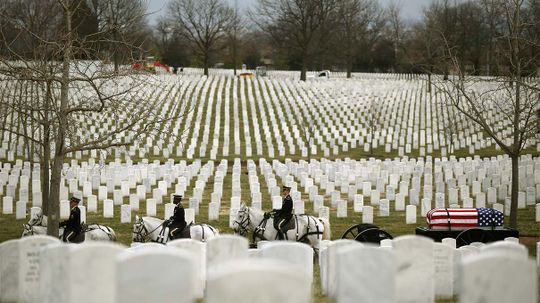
(357, 19)
(121, 23)
(203, 23)
(511, 100)
(295, 25)
(373, 117)
(234, 29)
(397, 28)
(63, 97)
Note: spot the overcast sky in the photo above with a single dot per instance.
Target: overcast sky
(411, 9)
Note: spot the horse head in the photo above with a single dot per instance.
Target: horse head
(28, 230)
(37, 219)
(139, 230)
(242, 221)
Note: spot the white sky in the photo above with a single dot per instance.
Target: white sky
(411, 9)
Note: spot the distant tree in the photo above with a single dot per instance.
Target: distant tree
(122, 27)
(396, 29)
(299, 26)
(234, 30)
(359, 22)
(203, 23)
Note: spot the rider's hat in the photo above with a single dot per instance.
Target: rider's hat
(177, 199)
(75, 199)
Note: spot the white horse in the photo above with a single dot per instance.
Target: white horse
(308, 229)
(152, 229)
(93, 232)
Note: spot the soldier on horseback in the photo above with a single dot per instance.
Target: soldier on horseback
(284, 215)
(177, 223)
(72, 226)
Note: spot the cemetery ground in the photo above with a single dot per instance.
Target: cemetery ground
(394, 224)
(247, 138)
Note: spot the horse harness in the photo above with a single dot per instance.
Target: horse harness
(258, 232)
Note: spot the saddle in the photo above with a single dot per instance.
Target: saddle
(185, 233)
(289, 224)
(79, 238)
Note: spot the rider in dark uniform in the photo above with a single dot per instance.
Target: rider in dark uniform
(177, 222)
(284, 214)
(72, 226)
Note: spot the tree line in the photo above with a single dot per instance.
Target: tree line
(339, 35)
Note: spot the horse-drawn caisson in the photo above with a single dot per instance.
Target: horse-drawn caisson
(466, 225)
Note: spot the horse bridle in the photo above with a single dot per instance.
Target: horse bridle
(243, 225)
(29, 228)
(139, 236)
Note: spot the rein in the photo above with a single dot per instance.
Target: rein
(139, 233)
(244, 224)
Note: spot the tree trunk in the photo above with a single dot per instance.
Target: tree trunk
(429, 83)
(59, 153)
(514, 191)
(303, 72)
(45, 170)
(205, 61)
(116, 54)
(349, 69)
(234, 55)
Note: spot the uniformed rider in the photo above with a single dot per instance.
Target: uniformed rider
(177, 222)
(284, 214)
(72, 226)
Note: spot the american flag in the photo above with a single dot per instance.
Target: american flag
(462, 218)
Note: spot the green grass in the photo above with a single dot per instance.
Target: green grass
(394, 224)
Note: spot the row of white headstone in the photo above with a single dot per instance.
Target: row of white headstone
(334, 118)
(335, 177)
(406, 269)
(416, 269)
(42, 269)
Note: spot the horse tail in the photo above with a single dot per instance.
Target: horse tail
(327, 234)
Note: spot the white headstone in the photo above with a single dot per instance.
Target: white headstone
(443, 259)
(410, 214)
(108, 208)
(94, 263)
(9, 271)
(297, 254)
(224, 248)
(151, 207)
(341, 208)
(125, 213)
(20, 212)
(198, 250)
(7, 205)
(91, 201)
(384, 208)
(493, 273)
(331, 263)
(54, 274)
(377, 275)
(358, 203)
(367, 214)
(29, 271)
(247, 280)
(415, 275)
(164, 266)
